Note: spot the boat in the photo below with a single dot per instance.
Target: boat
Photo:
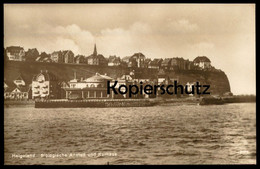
(94, 103)
(211, 101)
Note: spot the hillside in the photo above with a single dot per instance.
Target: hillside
(12, 69)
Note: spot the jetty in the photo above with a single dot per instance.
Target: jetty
(95, 103)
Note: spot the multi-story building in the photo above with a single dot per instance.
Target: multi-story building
(140, 59)
(68, 56)
(114, 61)
(17, 89)
(45, 86)
(79, 59)
(31, 54)
(96, 59)
(44, 57)
(15, 53)
(155, 64)
(62, 85)
(167, 64)
(92, 87)
(202, 61)
(132, 62)
(57, 57)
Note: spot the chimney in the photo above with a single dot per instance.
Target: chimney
(46, 71)
(81, 79)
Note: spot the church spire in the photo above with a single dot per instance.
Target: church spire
(95, 50)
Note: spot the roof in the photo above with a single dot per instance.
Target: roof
(99, 56)
(47, 75)
(155, 62)
(24, 88)
(113, 59)
(56, 52)
(74, 80)
(19, 78)
(79, 56)
(14, 48)
(63, 83)
(126, 58)
(32, 50)
(67, 52)
(166, 61)
(106, 77)
(201, 59)
(147, 61)
(12, 86)
(97, 78)
(138, 55)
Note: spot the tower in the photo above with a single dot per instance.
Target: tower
(95, 50)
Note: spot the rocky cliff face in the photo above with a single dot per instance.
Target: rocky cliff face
(218, 81)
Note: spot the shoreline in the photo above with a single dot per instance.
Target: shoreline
(160, 101)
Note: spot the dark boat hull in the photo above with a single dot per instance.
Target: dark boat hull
(211, 101)
(93, 103)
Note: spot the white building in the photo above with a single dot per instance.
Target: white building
(15, 53)
(45, 86)
(202, 61)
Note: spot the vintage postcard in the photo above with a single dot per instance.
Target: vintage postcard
(116, 84)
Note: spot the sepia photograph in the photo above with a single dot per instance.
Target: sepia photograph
(129, 84)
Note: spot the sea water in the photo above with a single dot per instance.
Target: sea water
(169, 134)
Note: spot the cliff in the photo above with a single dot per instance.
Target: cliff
(12, 69)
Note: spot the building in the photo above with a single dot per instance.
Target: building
(17, 93)
(167, 64)
(140, 59)
(114, 61)
(62, 85)
(45, 86)
(19, 81)
(136, 60)
(57, 57)
(202, 61)
(68, 56)
(44, 57)
(96, 59)
(127, 78)
(132, 63)
(18, 89)
(155, 64)
(31, 54)
(15, 53)
(126, 59)
(92, 87)
(147, 62)
(80, 59)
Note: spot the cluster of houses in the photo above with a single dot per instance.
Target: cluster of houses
(17, 53)
(45, 85)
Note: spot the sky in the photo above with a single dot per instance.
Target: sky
(225, 33)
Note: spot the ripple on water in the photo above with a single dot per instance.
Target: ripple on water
(141, 135)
